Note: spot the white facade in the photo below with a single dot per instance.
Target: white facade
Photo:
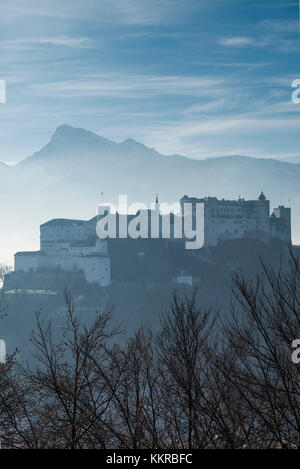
(70, 245)
(27, 261)
(184, 279)
(62, 230)
(237, 219)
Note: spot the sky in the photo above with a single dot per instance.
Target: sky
(195, 77)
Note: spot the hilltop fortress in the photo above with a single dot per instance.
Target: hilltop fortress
(73, 245)
(236, 219)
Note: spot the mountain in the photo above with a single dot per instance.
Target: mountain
(66, 177)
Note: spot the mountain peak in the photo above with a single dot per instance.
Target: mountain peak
(131, 141)
(132, 145)
(65, 130)
(67, 133)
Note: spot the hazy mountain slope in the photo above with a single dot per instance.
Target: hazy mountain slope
(66, 177)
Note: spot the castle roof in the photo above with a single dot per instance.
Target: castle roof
(63, 221)
(28, 253)
(94, 219)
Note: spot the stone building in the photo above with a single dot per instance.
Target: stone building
(69, 245)
(236, 219)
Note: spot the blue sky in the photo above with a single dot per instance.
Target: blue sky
(196, 77)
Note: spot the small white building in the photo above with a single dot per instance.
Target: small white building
(70, 245)
(183, 278)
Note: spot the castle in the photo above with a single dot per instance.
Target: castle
(236, 219)
(69, 245)
(73, 245)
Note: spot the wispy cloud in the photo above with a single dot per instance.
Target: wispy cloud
(205, 107)
(130, 12)
(270, 40)
(243, 124)
(130, 86)
(172, 73)
(279, 26)
(194, 138)
(27, 43)
(236, 41)
(15, 9)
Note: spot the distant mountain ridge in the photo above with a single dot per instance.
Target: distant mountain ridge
(66, 135)
(65, 179)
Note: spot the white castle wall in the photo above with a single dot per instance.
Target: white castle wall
(225, 220)
(68, 246)
(27, 261)
(64, 230)
(231, 219)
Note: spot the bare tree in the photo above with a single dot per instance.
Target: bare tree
(64, 397)
(266, 319)
(183, 346)
(196, 385)
(133, 380)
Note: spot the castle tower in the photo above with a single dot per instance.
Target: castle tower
(262, 196)
(263, 214)
(281, 223)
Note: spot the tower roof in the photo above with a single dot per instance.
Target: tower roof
(262, 196)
